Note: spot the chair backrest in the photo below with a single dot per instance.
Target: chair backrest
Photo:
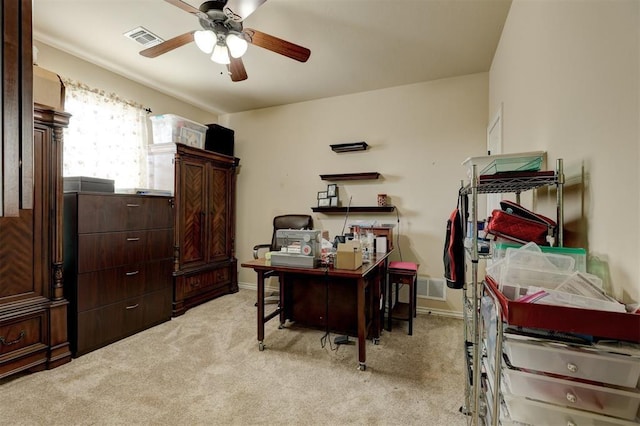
(289, 221)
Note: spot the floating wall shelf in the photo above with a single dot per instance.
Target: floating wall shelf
(352, 209)
(351, 176)
(349, 147)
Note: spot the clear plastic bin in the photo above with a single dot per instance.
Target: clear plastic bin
(516, 279)
(609, 400)
(560, 298)
(579, 255)
(169, 128)
(529, 412)
(161, 166)
(515, 164)
(539, 260)
(581, 363)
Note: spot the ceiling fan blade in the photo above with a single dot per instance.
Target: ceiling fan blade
(168, 45)
(277, 45)
(184, 6)
(238, 10)
(236, 69)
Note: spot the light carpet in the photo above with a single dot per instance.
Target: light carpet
(204, 368)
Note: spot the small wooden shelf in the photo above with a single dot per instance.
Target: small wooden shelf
(351, 176)
(352, 209)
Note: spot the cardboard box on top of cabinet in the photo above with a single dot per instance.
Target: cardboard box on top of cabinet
(348, 255)
(48, 88)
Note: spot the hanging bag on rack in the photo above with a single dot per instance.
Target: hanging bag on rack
(515, 223)
(453, 256)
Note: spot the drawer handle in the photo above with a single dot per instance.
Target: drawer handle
(133, 239)
(571, 397)
(132, 273)
(133, 205)
(572, 367)
(132, 306)
(195, 283)
(12, 342)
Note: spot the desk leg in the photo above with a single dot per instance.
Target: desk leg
(362, 327)
(376, 302)
(260, 310)
(282, 298)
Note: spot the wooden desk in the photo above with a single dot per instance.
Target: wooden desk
(340, 300)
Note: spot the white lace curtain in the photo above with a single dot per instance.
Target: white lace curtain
(106, 137)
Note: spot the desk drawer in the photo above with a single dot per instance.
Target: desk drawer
(110, 250)
(102, 213)
(99, 288)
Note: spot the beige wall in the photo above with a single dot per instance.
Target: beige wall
(418, 135)
(71, 67)
(567, 76)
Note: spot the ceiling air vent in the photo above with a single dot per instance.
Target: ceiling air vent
(143, 36)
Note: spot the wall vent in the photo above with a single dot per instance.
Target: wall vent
(432, 288)
(143, 36)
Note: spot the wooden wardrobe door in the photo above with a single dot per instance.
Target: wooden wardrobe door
(193, 212)
(17, 259)
(218, 217)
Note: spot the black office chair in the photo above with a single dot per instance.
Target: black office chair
(286, 221)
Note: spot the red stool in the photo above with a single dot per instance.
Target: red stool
(402, 273)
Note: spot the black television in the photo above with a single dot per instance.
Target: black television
(219, 139)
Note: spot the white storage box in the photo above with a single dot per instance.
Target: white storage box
(161, 166)
(581, 363)
(172, 128)
(611, 401)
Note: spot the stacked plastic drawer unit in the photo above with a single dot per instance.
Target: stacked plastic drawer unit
(545, 381)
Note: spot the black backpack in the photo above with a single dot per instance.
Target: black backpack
(454, 256)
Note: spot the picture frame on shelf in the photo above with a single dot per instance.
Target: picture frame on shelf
(333, 201)
(324, 202)
(322, 195)
(332, 190)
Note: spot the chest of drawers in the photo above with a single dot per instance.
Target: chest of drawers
(118, 265)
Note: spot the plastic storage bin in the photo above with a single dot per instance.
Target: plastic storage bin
(530, 412)
(581, 363)
(161, 166)
(485, 162)
(499, 250)
(517, 164)
(170, 128)
(611, 401)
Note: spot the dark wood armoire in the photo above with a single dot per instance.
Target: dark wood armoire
(205, 264)
(33, 310)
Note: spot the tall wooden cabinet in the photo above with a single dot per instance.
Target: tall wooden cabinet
(205, 265)
(33, 310)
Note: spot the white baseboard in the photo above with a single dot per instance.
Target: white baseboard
(419, 309)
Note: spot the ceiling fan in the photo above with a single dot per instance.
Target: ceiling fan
(224, 36)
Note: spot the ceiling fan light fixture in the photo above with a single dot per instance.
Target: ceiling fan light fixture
(205, 40)
(236, 44)
(220, 54)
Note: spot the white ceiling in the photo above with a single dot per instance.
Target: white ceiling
(356, 46)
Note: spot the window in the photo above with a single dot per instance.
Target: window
(106, 137)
